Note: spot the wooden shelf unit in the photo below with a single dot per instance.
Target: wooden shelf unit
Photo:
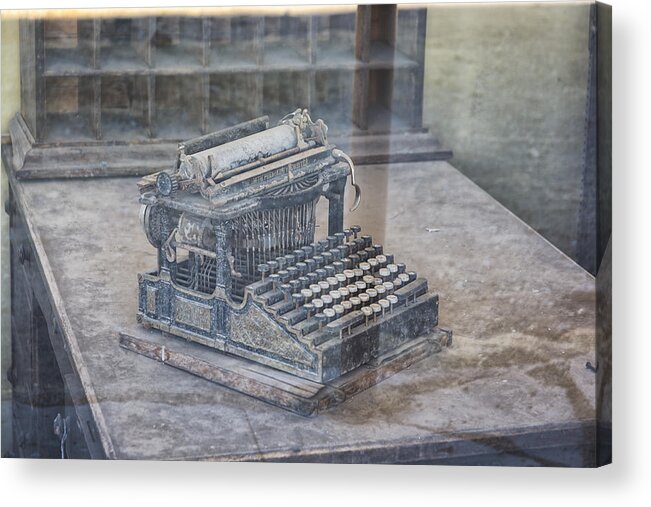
(147, 79)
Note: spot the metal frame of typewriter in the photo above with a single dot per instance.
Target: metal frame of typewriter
(222, 233)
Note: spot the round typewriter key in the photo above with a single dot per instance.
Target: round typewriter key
(327, 257)
(377, 309)
(341, 278)
(290, 259)
(384, 304)
(286, 289)
(341, 237)
(412, 275)
(381, 291)
(356, 302)
(397, 283)
(327, 300)
(377, 281)
(368, 240)
(343, 251)
(404, 277)
(284, 276)
(373, 263)
(307, 294)
(382, 260)
(368, 279)
(282, 262)
(385, 274)
(339, 310)
(275, 280)
(365, 267)
(308, 251)
(325, 286)
(315, 289)
(393, 300)
(318, 304)
(348, 233)
(378, 248)
(345, 293)
(308, 308)
(352, 247)
(295, 285)
(332, 281)
(352, 289)
(299, 255)
(393, 269)
(356, 229)
(263, 269)
(273, 266)
(311, 265)
(316, 248)
(388, 286)
(330, 270)
(335, 295)
(355, 260)
(349, 274)
(358, 273)
(339, 266)
(325, 245)
(293, 272)
(304, 281)
(348, 306)
(363, 255)
(332, 241)
(302, 268)
(367, 311)
(336, 254)
(297, 299)
(322, 273)
(348, 264)
(364, 298)
(360, 285)
(372, 294)
(321, 318)
(329, 313)
(370, 251)
(313, 277)
(401, 267)
(389, 258)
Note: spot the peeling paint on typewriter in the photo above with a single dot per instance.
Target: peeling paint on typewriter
(239, 269)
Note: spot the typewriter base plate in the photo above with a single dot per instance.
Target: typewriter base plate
(284, 390)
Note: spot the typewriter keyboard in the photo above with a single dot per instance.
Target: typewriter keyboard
(334, 286)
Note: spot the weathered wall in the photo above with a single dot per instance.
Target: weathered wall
(505, 88)
(10, 100)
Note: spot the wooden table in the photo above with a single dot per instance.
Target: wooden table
(513, 388)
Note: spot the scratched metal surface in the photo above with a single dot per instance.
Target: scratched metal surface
(522, 313)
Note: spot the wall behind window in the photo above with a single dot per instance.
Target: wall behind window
(505, 89)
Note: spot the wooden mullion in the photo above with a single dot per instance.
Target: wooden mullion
(205, 103)
(32, 80)
(150, 114)
(96, 92)
(205, 41)
(419, 71)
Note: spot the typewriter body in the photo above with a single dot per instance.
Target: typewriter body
(239, 269)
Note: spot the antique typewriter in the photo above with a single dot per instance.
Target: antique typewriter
(239, 269)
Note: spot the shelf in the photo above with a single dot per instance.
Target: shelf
(118, 125)
(63, 127)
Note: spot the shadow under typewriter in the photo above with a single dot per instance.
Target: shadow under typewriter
(298, 323)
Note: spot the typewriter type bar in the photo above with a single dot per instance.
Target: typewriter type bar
(239, 269)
